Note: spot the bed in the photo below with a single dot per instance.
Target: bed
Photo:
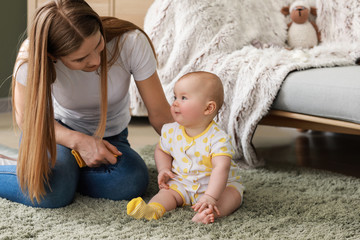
(218, 36)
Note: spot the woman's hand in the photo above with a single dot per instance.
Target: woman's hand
(95, 151)
(163, 178)
(206, 201)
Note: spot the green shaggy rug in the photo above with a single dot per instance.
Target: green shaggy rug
(279, 203)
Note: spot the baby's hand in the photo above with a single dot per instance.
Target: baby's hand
(206, 201)
(163, 178)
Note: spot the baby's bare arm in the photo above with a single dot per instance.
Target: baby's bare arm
(219, 176)
(217, 185)
(163, 163)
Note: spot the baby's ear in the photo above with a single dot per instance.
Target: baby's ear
(210, 108)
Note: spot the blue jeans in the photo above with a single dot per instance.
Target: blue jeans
(126, 179)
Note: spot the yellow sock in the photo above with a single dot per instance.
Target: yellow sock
(159, 210)
(138, 209)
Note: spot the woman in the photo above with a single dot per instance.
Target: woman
(70, 92)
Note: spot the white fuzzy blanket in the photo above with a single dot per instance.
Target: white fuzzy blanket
(216, 36)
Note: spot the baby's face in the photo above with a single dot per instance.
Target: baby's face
(189, 103)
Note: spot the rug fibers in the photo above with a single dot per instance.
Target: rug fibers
(280, 202)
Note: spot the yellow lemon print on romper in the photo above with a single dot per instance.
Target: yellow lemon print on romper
(206, 161)
(224, 149)
(171, 130)
(185, 160)
(207, 148)
(195, 187)
(222, 140)
(179, 137)
(173, 186)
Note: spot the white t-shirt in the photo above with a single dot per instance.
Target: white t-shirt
(76, 94)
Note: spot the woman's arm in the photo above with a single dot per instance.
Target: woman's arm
(19, 103)
(155, 101)
(93, 151)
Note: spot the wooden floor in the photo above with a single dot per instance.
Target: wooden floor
(321, 150)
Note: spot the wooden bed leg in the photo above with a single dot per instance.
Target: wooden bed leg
(302, 150)
(302, 130)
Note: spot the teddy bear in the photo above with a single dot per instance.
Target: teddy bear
(302, 33)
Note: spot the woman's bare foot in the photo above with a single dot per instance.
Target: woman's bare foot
(207, 216)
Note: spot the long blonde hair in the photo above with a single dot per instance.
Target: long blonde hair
(59, 28)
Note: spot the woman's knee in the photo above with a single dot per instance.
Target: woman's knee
(135, 174)
(126, 179)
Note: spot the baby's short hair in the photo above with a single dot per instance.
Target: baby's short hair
(213, 84)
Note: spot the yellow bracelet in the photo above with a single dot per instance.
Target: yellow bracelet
(79, 160)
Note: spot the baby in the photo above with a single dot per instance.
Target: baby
(194, 156)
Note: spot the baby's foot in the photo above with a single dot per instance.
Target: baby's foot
(207, 216)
